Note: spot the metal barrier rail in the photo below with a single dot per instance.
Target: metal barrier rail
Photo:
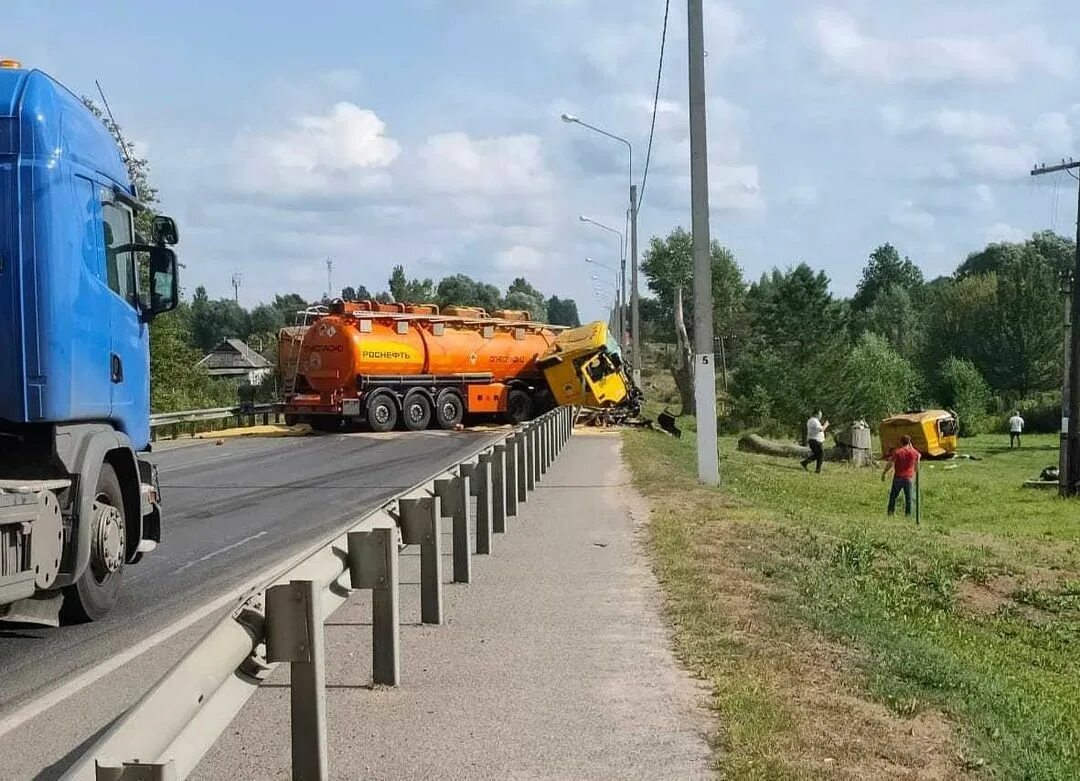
(193, 416)
(164, 736)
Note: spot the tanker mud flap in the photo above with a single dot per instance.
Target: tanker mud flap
(42, 609)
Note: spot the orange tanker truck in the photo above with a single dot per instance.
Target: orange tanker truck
(417, 366)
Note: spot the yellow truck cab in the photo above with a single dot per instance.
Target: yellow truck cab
(933, 432)
(584, 368)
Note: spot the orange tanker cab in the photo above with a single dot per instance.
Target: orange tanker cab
(389, 362)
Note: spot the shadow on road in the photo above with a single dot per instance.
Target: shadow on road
(57, 769)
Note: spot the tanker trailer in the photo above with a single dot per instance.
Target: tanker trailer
(385, 363)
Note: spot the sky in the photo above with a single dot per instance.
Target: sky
(428, 132)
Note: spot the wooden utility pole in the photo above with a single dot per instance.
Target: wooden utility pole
(1069, 479)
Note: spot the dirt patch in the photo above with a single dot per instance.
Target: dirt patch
(999, 593)
(979, 599)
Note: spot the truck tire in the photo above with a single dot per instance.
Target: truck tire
(416, 410)
(95, 593)
(449, 409)
(519, 406)
(382, 412)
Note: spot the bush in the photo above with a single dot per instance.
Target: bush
(1041, 413)
(877, 381)
(962, 389)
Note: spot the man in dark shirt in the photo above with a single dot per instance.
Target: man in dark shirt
(905, 461)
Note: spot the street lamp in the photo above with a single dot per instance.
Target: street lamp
(620, 300)
(635, 329)
(621, 322)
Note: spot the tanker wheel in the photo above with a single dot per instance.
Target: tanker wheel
(519, 406)
(449, 409)
(382, 412)
(416, 411)
(95, 593)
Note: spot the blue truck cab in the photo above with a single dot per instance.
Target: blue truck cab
(78, 289)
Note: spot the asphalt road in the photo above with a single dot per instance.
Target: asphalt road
(231, 511)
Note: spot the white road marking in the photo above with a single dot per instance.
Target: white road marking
(48, 700)
(219, 552)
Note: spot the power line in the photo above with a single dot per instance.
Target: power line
(656, 102)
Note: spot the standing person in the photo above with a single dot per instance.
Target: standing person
(815, 438)
(905, 461)
(1016, 428)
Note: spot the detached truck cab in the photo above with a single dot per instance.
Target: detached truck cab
(78, 288)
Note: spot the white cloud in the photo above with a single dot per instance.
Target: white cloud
(984, 198)
(519, 259)
(489, 167)
(1053, 133)
(733, 188)
(342, 151)
(726, 31)
(642, 104)
(805, 195)
(911, 217)
(1002, 231)
(610, 49)
(991, 59)
(994, 161)
(952, 123)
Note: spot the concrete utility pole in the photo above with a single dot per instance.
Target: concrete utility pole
(1069, 479)
(635, 319)
(708, 457)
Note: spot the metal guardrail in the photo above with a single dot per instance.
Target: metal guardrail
(164, 736)
(194, 416)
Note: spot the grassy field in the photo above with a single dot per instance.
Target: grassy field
(842, 643)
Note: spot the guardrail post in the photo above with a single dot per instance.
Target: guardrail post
(454, 493)
(541, 433)
(137, 771)
(549, 437)
(537, 474)
(530, 460)
(521, 439)
(513, 469)
(420, 520)
(480, 481)
(373, 564)
(294, 634)
(499, 474)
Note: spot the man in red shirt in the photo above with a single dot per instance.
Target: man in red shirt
(905, 460)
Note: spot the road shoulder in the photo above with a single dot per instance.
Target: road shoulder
(554, 663)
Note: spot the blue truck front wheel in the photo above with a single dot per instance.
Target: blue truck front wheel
(95, 593)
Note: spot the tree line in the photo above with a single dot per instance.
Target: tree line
(981, 341)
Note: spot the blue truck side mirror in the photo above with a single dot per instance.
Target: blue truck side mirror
(163, 286)
(165, 230)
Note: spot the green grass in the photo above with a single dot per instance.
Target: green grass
(975, 614)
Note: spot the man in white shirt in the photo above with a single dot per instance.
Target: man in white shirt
(1016, 428)
(815, 438)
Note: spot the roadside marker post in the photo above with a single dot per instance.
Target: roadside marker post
(918, 496)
